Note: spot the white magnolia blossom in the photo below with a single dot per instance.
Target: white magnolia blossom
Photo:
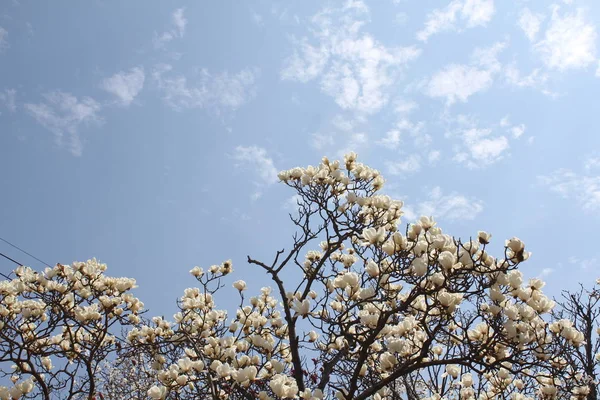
(362, 303)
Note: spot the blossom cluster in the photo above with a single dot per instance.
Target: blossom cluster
(375, 304)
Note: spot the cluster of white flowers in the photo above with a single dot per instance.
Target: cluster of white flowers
(62, 312)
(373, 303)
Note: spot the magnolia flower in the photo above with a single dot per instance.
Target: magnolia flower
(466, 380)
(47, 363)
(484, 237)
(419, 267)
(301, 308)
(536, 284)
(426, 222)
(283, 386)
(452, 370)
(372, 268)
(157, 392)
(446, 260)
(373, 236)
(515, 244)
(239, 285)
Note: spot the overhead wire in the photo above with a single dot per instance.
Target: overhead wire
(25, 252)
(10, 259)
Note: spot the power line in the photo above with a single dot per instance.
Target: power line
(23, 251)
(10, 259)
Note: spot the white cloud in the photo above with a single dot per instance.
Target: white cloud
(291, 203)
(7, 97)
(591, 163)
(257, 160)
(416, 132)
(517, 130)
(353, 142)
(569, 42)
(440, 20)
(343, 124)
(583, 263)
(391, 139)
(530, 23)
(321, 140)
(401, 18)
(405, 106)
(179, 23)
(451, 207)
(487, 57)
(536, 79)
(471, 12)
(258, 19)
(125, 85)
(3, 41)
(478, 12)
(222, 91)
(433, 156)
(480, 149)
(408, 165)
(583, 189)
(306, 63)
(63, 114)
(477, 147)
(458, 82)
(355, 69)
(545, 272)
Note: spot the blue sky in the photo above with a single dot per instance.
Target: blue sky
(150, 136)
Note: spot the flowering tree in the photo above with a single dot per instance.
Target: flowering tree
(128, 376)
(580, 310)
(373, 306)
(357, 310)
(55, 329)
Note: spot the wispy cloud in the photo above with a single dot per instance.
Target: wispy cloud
(457, 15)
(458, 82)
(8, 98)
(179, 23)
(569, 41)
(63, 114)
(433, 156)
(218, 92)
(3, 39)
(477, 147)
(258, 19)
(391, 140)
(291, 203)
(450, 207)
(530, 23)
(536, 79)
(355, 69)
(256, 160)
(405, 127)
(406, 165)
(125, 85)
(583, 263)
(583, 188)
(545, 272)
